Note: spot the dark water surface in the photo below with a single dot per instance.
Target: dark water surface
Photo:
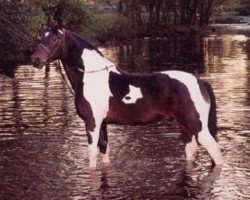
(43, 145)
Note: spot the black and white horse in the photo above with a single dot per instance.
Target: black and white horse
(105, 94)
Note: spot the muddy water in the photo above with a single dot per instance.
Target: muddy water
(43, 146)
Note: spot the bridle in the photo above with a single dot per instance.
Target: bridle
(50, 55)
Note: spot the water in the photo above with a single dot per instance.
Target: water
(43, 145)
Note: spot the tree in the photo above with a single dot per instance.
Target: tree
(22, 22)
(14, 34)
(162, 13)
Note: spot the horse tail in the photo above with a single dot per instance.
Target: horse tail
(212, 118)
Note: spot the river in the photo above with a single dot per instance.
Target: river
(43, 144)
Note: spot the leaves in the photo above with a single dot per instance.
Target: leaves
(22, 22)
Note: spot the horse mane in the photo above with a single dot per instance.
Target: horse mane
(83, 43)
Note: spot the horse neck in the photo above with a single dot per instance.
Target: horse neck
(75, 78)
(79, 57)
(72, 51)
(85, 53)
(94, 61)
(72, 61)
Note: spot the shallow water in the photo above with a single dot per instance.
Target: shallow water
(43, 146)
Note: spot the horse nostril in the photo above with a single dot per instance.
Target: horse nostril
(36, 61)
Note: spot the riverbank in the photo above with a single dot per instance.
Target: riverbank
(231, 18)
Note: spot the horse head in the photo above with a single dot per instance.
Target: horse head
(50, 47)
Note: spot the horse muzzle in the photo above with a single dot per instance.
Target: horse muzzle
(37, 62)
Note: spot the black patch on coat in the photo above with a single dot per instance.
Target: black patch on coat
(204, 91)
(103, 139)
(119, 85)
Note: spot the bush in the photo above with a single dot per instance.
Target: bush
(105, 27)
(14, 34)
(22, 23)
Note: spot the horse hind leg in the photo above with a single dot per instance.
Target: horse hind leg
(197, 128)
(205, 138)
(207, 135)
(190, 145)
(210, 144)
(103, 143)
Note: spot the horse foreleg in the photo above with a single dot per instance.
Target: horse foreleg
(93, 137)
(103, 143)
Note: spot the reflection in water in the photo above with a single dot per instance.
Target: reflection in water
(156, 54)
(199, 189)
(43, 147)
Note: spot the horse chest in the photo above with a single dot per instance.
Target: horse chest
(96, 92)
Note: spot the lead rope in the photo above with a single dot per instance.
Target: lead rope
(93, 71)
(80, 70)
(5, 77)
(65, 79)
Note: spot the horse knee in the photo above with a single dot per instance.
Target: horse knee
(206, 139)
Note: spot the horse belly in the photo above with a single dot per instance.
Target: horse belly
(132, 114)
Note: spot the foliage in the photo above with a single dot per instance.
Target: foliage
(242, 7)
(14, 35)
(161, 12)
(150, 17)
(22, 22)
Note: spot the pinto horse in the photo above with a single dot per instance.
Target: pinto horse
(105, 94)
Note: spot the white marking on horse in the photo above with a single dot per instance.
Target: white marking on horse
(202, 107)
(93, 61)
(133, 95)
(61, 32)
(47, 34)
(97, 93)
(190, 149)
(193, 87)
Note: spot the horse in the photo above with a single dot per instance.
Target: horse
(105, 94)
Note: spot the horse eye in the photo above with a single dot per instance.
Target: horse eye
(54, 39)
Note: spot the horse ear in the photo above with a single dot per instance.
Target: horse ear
(59, 23)
(49, 24)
